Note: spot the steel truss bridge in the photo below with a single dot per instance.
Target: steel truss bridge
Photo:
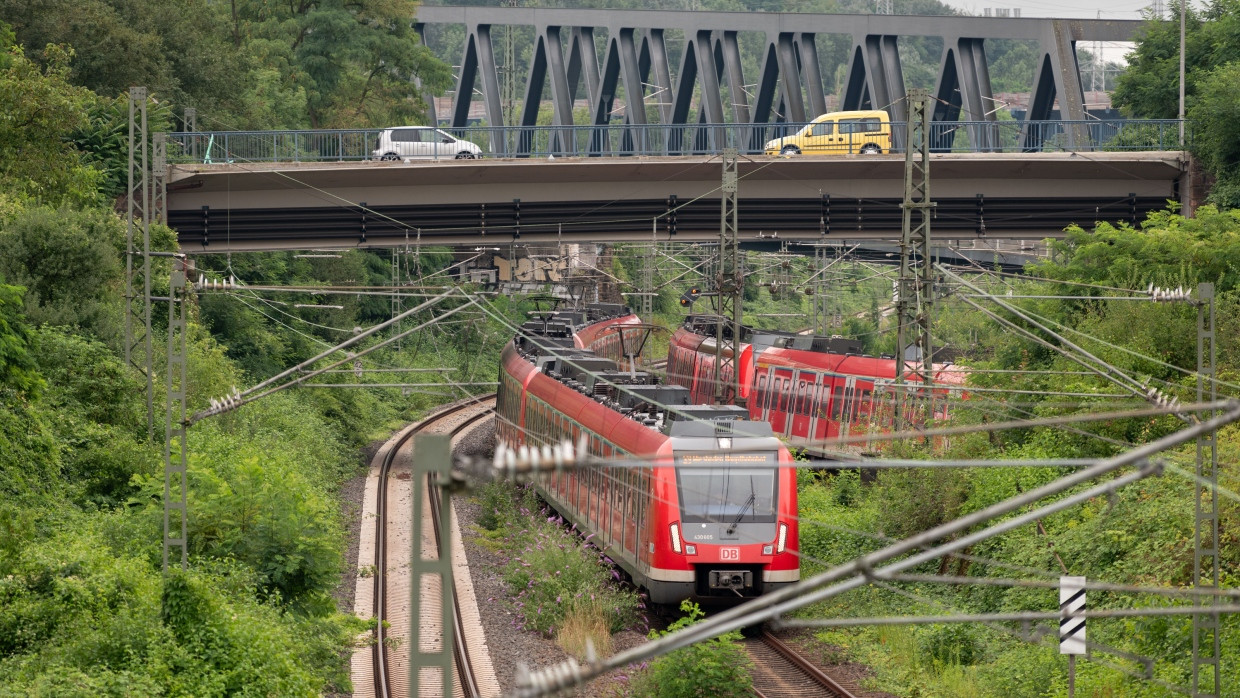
(789, 86)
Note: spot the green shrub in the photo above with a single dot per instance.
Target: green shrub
(29, 453)
(87, 378)
(1025, 671)
(555, 568)
(950, 643)
(495, 500)
(80, 617)
(716, 667)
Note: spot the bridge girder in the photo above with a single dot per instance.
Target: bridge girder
(789, 86)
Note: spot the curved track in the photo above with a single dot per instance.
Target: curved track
(482, 406)
(780, 671)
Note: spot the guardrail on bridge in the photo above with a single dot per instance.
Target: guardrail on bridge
(623, 140)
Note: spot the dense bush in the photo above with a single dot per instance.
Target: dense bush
(716, 667)
(78, 616)
(555, 569)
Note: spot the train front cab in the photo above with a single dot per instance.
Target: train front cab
(726, 514)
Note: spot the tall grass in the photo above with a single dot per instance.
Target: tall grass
(586, 627)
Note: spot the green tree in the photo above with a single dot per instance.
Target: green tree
(1216, 130)
(39, 109)
(182, 52)
(357, 63)
(69, 264)
(1149, 88)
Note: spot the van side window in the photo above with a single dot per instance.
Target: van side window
(405, 135)
(825, 128)
(866, 125)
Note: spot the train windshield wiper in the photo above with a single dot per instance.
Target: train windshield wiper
(748, 503)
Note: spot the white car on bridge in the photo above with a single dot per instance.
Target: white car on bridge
(405, 142)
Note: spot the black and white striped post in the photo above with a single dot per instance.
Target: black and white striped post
(1071, 624)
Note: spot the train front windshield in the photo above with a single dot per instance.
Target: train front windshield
(730, 488)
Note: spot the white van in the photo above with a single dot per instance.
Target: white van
(403, 142)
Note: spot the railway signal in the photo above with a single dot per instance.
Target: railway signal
(688, 298)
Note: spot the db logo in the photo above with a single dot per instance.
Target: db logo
(729, 553)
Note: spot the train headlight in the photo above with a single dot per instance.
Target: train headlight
(782, 543)
(690, 549)
(768, 549)
(676, 537)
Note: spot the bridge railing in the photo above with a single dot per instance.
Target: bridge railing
(621, 140)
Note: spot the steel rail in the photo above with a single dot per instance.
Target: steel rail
(469, 683)
(804, 665)
(379, 655)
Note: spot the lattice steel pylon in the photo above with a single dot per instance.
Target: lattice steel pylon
(176, 459)
(729, 287)
(430, 655)
(1206, 630)
(822, 307)
(647, 288)
(913, 304)
(138, 195)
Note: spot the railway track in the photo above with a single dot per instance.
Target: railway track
(779, 671)
(452, 420)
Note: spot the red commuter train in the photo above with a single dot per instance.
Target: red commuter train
(707, 509)
(809, 388)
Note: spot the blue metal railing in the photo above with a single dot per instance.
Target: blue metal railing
(620, 140)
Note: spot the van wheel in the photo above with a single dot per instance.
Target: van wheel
(871, 149)
(790, 150)
(464, 155)
(390, 156)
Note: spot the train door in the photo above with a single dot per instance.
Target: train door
(821, 390)
(758, 406)
(847, 405)
(781, 387)
(803, 402)
(788, 401)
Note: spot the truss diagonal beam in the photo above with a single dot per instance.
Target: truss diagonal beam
(790, 83)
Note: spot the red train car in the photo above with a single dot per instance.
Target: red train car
(620, 337)
(692, 502)
(808, 388)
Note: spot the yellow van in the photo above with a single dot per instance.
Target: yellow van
(838, 133)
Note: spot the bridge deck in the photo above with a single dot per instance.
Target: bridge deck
(278, 205)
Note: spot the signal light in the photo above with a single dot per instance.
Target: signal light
(689, 297)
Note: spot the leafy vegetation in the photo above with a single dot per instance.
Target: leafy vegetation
(85, 607)
(243, 64)
(1149, 88)
(715, 667)
(1143, 534)
(556, 578)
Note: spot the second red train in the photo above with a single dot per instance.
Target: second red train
(809, 388)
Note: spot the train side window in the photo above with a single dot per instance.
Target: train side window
(762, 392)
(837, 402)
(863, 404)
(815, 408)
